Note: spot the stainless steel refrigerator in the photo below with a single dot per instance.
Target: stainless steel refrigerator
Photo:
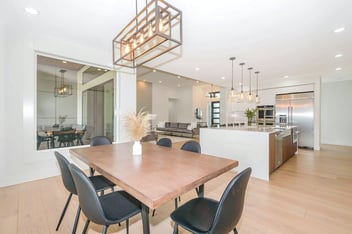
(297, 109)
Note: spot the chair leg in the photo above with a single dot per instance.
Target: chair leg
(153, 213)
(76, 220)
(64, 211)
(127, 226)
(176, 203)
(86, 227)
(175, 229)
(105, 229)
(235, 231)
(91, 171)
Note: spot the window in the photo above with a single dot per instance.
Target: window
(215, 113)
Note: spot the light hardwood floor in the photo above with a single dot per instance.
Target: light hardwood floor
(311, 193)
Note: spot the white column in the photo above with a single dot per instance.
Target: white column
(126, 88)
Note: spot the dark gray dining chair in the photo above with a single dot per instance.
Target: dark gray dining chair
(106, 210)
(192, 146)
(208, 216)
(164, 142)
(167, 143)
(96, 141)
(99, 183)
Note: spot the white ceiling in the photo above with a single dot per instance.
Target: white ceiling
(278, 38)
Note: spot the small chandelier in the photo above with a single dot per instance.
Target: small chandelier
(155, 30)
(62, 90)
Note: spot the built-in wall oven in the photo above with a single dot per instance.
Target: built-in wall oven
(266, 115)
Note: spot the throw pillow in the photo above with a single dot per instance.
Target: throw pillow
(161, 124)
(193, 125)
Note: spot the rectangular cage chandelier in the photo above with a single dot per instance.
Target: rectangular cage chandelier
(155, 30)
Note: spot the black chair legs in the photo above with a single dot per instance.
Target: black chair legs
(64, 211)
(76, 220)
(176, 203)
(86, 227)
(175, 229)
(105, 229)
(235, 231)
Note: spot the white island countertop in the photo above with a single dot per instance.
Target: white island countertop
(264, 129)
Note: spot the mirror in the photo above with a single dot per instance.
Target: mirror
(74, 103)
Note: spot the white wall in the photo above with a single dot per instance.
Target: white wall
(336, 112)
(182, 101)
(2, 95)
(19, 159)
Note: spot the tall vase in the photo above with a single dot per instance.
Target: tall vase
(137, 148)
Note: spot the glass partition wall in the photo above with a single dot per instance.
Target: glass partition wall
(74, 103)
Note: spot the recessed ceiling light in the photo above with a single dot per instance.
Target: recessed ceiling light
(339, 30)
(197, 81)
(105, 70)
(286, 76)
(197, 68)
(338, 69)
(98, 69)
(154, 70)
(160, 82)
(64, 61)
(223, 77)
(31, 11)
(338, 55)
(179, 77)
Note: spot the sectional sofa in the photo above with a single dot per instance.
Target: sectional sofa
(178, 129)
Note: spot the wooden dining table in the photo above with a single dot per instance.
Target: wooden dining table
(160, 174)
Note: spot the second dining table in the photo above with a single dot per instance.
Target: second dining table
(158, 175)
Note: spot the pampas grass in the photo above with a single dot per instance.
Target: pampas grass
(137, 124)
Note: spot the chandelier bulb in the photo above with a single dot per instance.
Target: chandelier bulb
(127, 48)
(161, 24)
(150, 30)
(141, 38)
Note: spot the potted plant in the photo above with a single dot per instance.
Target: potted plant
(250, 113)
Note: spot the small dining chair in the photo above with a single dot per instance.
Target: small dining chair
(99, 183)
(208, 216)
(96, 141)
(106, 210)
(164, 142)
(167, 143)
(192, 146)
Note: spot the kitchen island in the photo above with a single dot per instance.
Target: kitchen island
(261, 148)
